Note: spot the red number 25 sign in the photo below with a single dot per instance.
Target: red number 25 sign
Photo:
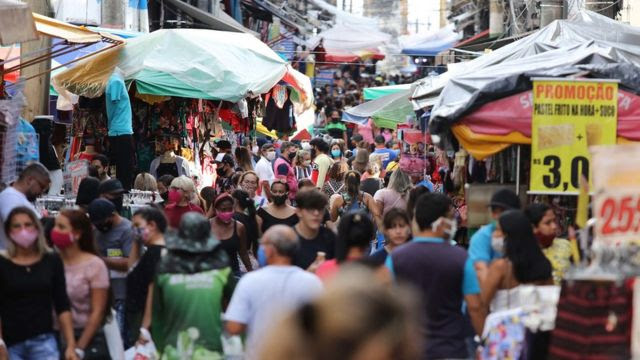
(618, 217)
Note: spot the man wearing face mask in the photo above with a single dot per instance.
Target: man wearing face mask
(336, 128)
(482, 250)
(264, 168)
(31, 184)
(113, 191)
(443, 274)
(224, 170)
(283, 167)
(114, 236)
(256, 301)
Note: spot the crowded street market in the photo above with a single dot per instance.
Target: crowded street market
(317, 179)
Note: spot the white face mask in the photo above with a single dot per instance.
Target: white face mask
(255, 149)
(271, 155)
(305, 146)
(497, 244)
(306, 163)
(451, 231)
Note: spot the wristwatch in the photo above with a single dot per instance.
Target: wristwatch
(80, 353)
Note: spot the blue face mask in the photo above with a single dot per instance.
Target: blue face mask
(262, 257)
(336, 153)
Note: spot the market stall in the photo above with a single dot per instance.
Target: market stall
(190, 87)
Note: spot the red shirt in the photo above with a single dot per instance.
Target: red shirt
(174, 213)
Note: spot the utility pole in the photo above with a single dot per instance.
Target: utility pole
(36, 90)
(443, 13)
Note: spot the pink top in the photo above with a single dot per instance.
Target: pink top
(390, 199)
(81, 278)
(327, 269)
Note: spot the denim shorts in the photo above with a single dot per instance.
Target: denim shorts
(41, 347)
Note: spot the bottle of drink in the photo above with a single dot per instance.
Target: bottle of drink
(321, 256)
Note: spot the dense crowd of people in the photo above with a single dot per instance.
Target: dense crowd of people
(255, 254)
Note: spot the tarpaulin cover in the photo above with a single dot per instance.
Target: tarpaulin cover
(429, 44)
(498, 124)
(588, 41)
(346, 42)
(373, 93)
(386, 112)
(193, 63)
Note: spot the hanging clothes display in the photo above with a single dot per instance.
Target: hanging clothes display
(593, 321)
(279, 111)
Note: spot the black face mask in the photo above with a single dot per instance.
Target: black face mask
(291, 156)
(165, 196)
(104, 227)
(279, 199)
(221, 171)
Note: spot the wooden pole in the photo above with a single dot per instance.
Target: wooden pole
(36, 90)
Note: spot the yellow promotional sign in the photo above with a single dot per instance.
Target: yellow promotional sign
(568, 117)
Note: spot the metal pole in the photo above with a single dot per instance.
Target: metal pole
(518, 171)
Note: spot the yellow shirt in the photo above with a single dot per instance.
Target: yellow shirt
(559, 255)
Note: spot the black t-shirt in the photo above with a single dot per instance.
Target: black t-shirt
(325, 241)
(28, 296)
(140, 277)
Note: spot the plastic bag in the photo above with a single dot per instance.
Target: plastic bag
(147, 351)
(114, 340)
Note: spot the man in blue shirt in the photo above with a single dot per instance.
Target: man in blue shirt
(386, 155)
(481, 249)
(444, 276)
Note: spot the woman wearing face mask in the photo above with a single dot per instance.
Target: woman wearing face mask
(337, 151)
(303, 165)
(558, 251)
(249, 182)
(32, 286)
(278, 211)
(397, 231)
(150, 225)
(180, 194)
(87, 281)
(523, 262)
(245, 213)
(231, 233)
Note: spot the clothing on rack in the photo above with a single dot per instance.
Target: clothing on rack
(279, 111)
(593, 321)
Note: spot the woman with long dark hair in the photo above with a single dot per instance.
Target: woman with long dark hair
(351, 199)
(355, 232)
(231, 233)
(245, 213)
(523, 262)
(32, 286)
(243, 159)
(545, 228)
(87, 281)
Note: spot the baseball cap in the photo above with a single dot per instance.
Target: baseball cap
(224, 158)
(505, 199)
(100, 209)
(110, 186)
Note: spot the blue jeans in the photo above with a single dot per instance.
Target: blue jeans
(41, 347)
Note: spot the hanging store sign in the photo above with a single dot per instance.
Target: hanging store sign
(616, 194)
(568, 117)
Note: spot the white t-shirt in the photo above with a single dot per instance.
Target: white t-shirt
(262, 295)
(265, 170)
(10, 198)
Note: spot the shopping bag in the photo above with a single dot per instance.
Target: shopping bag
(114, 340)
(147, 351)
